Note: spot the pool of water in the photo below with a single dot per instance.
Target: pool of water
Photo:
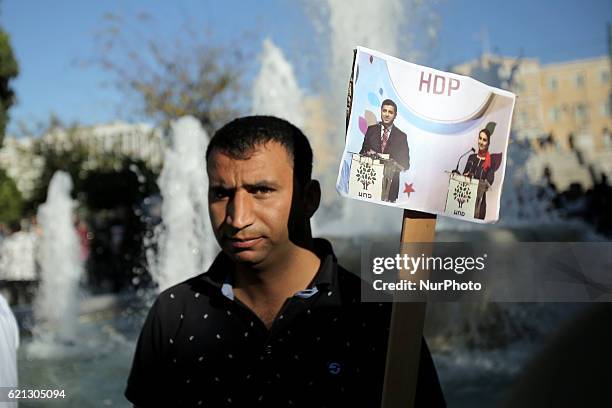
(92, 372)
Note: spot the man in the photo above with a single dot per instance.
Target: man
(18, 265)
(385, 138)
(275, 322)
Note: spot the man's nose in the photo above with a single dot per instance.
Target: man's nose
(240, 210)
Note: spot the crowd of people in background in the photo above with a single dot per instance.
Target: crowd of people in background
(578, 201)
(111, 248)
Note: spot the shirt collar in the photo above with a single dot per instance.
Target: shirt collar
(382, 128)
(326, 279)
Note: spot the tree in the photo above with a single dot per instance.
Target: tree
(8, 70)
(170, 80)
(11, 202)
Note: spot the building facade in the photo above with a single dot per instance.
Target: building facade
(24, 165)
(569, 101)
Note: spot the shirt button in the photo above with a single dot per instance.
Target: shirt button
(269, 349)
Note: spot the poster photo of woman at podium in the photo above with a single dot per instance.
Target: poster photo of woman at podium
(482, 166)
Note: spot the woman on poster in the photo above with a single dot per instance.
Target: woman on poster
(479, 166)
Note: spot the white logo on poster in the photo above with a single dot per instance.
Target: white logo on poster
(436, 95)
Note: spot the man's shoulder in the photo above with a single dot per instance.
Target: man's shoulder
(373, 128)
(398, 131)
(177, 295)
(203, 284)
(353, 287)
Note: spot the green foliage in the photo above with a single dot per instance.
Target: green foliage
(8, 70)
(11, 202)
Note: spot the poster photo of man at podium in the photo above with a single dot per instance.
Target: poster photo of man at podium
(482, 166)
(385, 140)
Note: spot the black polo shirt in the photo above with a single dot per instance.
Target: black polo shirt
(201, 347)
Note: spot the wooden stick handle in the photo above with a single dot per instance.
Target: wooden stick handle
(407, 321)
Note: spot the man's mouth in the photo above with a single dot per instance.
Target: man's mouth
(244, 243)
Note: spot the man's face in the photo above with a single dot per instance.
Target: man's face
(249, 201)
(387, 115)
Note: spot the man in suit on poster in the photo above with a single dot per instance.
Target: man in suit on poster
(385, 138)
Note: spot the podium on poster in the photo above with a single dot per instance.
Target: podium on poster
(371, 177)
(464, 195)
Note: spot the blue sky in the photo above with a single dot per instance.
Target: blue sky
(50, 38)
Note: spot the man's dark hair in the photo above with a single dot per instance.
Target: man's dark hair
(239, 137)
(389, 102)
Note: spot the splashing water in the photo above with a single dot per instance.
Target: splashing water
(57, 302)
(348, 25)
(275, 89)
(185, 239)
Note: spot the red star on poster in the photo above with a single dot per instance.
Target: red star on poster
(408, 189)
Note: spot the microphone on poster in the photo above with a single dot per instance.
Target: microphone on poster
(456, 171)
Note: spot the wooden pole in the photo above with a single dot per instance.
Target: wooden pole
(407, 321)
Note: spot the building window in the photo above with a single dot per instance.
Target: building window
(555, 114)
(582, 112)
(580, 80)
(553, 84)
(605, 109)
(604, 76)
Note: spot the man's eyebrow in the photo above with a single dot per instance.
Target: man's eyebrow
(219, 186)
(256, 184)
(262, 183)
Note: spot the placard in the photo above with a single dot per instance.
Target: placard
(424, 125)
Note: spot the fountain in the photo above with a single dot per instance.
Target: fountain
(275, 89)
(56, 304)
(186, 244)
(345, 25)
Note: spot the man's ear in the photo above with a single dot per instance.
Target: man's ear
(312, 197)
